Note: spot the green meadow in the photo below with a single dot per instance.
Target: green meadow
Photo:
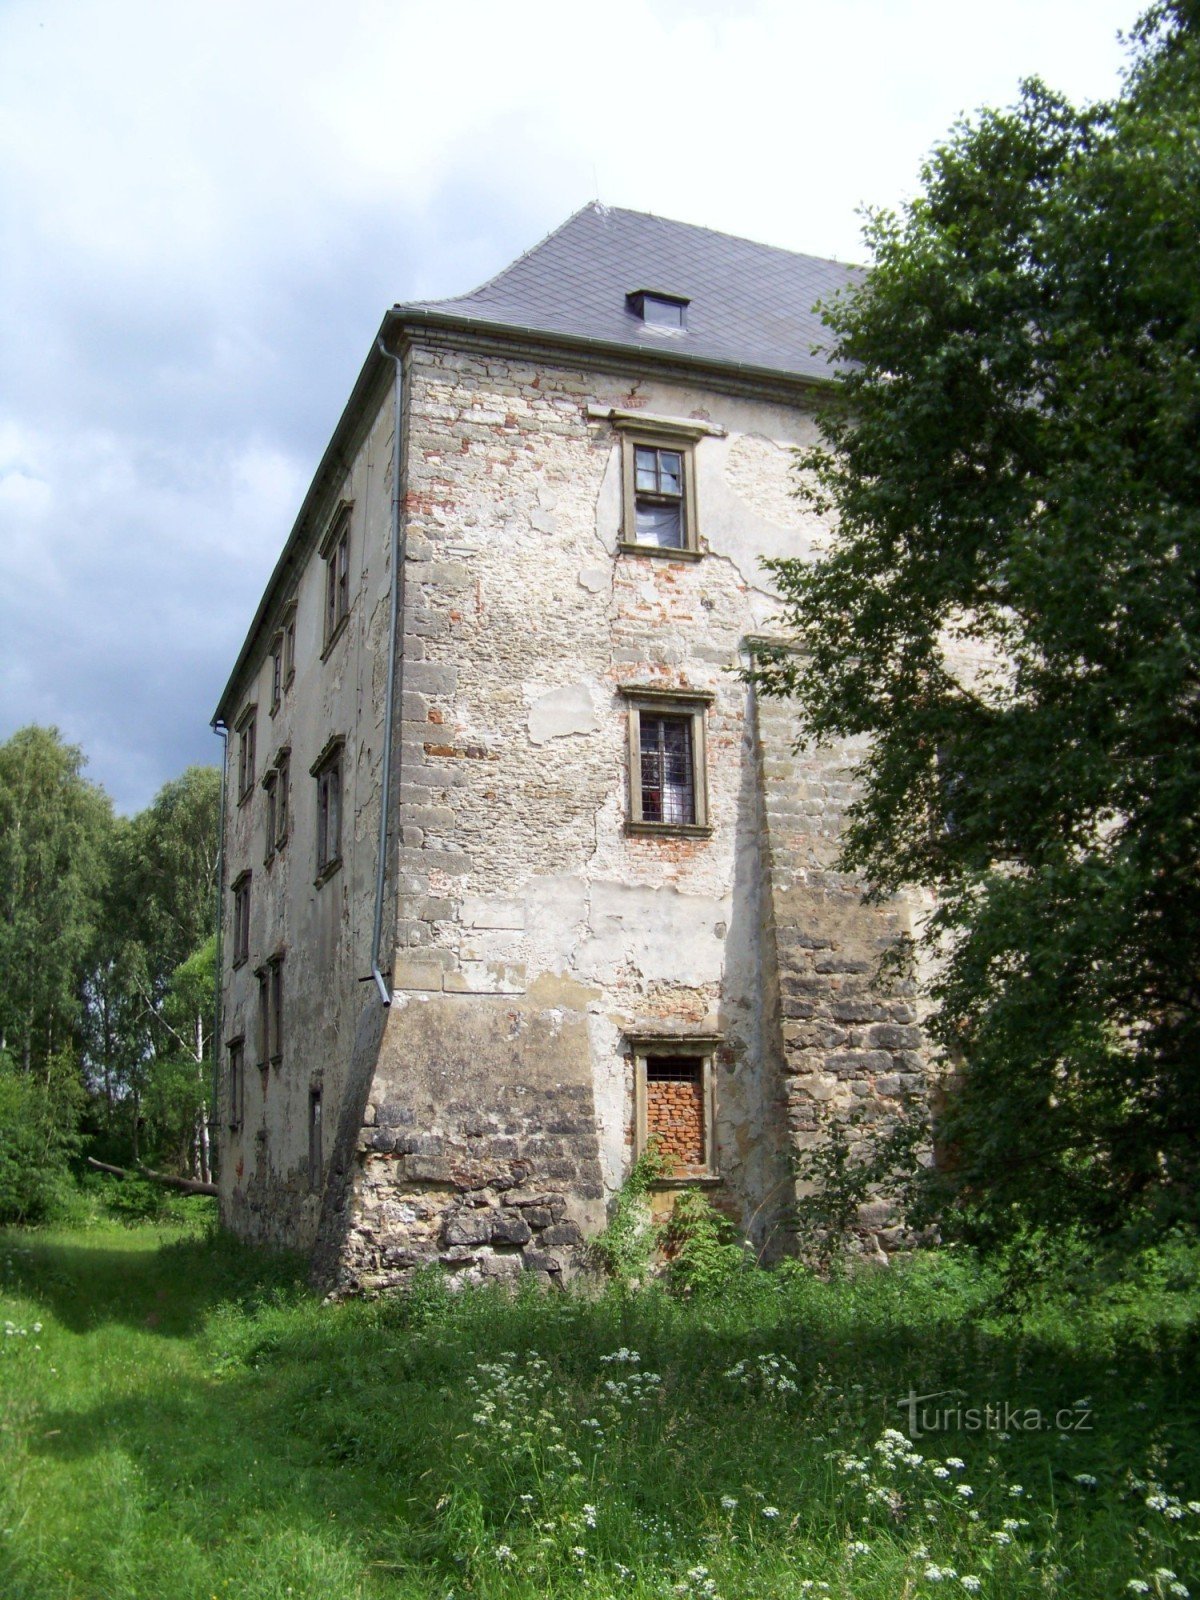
(183, 1419)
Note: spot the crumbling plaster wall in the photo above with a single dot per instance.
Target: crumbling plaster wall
(534, 932)
(323, 932)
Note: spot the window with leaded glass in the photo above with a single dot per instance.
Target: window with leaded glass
(668, 773)
(667, 777)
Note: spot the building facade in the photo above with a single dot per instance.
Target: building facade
(518, 875)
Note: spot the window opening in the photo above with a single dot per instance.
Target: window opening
(658, 497)
(667, 769)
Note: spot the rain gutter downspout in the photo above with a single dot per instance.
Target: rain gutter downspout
(222, 733)
(397, 606)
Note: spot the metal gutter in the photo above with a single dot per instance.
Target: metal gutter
(396, 611)
(614, 353)
(222, 732)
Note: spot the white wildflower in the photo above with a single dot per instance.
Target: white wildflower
(971, 1583)
(770, 1511)
(1085, 1480)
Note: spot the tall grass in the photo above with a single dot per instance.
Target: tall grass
(182, 1418)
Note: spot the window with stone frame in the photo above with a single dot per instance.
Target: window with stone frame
(276, 672)
(246, 734)
(289, 644)
(235, 1081)
(659, 512)
(328, 771)
(283, 783)
(335, 551)
(270, 1012)
(240, 890)
(271, 824)
(674, 1103)
(667, 764)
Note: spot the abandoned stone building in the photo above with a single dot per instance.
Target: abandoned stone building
(517, 874)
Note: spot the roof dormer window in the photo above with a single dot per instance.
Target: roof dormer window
(665, 311)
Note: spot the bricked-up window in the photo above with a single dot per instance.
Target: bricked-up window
(315, 1157)
(329, 776)
(335, 551)
(235, 1081)
(667, 769)
(241, 919)
(245, 731)
(674, 1104)
(675, 1110)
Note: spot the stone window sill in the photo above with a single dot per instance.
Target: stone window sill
(669, 830)
(327, 872)
(333, 638)
(668, 552)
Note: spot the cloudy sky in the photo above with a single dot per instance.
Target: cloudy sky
(206, 208)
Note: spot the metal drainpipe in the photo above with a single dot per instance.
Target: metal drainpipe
(397, 607)
(222, 733)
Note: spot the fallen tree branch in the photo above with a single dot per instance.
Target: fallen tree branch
(184, 1185)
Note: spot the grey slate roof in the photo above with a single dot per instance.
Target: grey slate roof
(750, 304)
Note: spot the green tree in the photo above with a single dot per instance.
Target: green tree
(54, 827)
(150, 992)
(1013, 465)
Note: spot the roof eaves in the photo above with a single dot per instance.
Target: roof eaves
(430, 316)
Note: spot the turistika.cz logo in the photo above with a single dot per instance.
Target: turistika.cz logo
(999, 1416)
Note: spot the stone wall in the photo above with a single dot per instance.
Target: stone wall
(852, 1048)
(485, 1118)
(526, 909)
(320, 932)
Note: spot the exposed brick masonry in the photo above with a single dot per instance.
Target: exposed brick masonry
(675, 1119)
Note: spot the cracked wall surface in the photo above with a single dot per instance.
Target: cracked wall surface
(486, 1118)
(523, 900)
